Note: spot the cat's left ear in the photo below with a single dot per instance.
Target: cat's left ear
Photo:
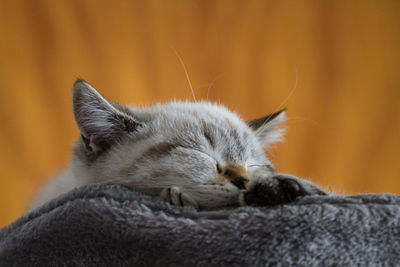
(266, 128)
(101, 121)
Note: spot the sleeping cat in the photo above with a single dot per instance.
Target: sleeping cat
(198, 154)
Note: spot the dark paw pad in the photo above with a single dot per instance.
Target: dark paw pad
(274, 191)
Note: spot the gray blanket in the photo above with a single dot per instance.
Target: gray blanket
(108, 225)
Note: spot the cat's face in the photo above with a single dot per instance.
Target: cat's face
(176, 144)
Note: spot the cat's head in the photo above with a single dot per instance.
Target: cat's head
(178, 143)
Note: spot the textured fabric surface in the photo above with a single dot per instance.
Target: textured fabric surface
(108, 225)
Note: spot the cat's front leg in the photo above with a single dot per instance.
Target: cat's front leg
(203, 196)
(277, 189)
(175, 196)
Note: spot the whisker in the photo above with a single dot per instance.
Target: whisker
(266, 166)
(291, 91)
(287, 97)
(212, 84)
(304, 119)
(186, 73)
(259, 165)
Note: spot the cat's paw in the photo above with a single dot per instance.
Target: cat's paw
(174, 196)
(278, 189)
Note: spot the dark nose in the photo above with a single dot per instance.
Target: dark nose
(240, 182)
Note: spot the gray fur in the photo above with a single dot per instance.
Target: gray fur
(175, 150)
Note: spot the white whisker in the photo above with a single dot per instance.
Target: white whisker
(304, 119)
(287, 97)
(291, 91)
(186, 73)
(212, 84)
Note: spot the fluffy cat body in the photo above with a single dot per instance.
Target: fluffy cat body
(197, 154)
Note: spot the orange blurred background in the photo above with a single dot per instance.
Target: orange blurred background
(334, 64)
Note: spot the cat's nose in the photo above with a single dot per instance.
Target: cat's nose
(236, 174)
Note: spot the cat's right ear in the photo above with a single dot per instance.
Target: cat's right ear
(101, 121)
(266, 128)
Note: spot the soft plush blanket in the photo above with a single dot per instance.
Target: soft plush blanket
(108, 225)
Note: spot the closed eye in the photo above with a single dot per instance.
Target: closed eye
(218, 167)
(202, 152)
